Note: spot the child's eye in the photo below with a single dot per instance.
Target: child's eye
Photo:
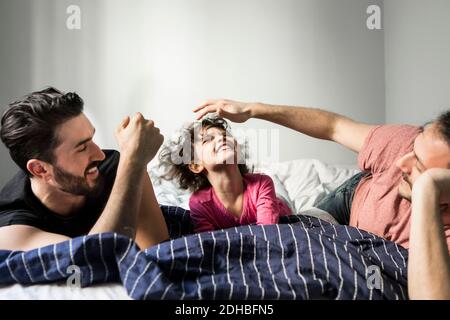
(207, 139)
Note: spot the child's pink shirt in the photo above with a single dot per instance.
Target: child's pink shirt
(261, 206)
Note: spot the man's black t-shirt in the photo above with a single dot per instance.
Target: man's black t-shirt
(18, 204)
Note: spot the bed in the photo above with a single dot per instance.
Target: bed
(305, 256)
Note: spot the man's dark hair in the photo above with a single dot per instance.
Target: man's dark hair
(180, 171)
(443, 125)
(28, 126)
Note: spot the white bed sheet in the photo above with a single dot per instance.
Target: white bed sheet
(60, 291)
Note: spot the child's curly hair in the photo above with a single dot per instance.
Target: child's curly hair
(180, 171)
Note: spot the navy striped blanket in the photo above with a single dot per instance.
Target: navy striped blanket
(300, 258)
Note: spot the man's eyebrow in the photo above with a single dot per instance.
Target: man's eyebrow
(85, 140)
(422, 127)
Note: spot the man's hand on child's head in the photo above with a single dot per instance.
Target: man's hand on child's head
(232, 110)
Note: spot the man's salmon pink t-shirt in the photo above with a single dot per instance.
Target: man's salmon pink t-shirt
(377, 206)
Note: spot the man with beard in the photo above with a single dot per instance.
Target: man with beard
(402, 193)
(68, 186)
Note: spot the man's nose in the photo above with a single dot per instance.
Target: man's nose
(406, 162)
(97, 154)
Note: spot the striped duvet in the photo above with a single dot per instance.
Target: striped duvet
(300, 258)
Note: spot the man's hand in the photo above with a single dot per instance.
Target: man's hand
(435, 179)
(139, 139)
(429, 260)
(232, 110)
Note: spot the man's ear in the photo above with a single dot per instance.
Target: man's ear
(196, 168)
(38, 168)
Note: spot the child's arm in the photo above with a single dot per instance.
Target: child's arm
(267, 210)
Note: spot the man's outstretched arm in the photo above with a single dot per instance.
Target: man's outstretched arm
(429, 260)
(312, 122)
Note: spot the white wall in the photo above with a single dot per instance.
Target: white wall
(163, 57)
(417, 44)
(15, 63)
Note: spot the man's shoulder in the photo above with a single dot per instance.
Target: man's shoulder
(394, 132)
(111, 152)
(14, 203)
(111, 155)
(111, 162)
(384, 145)
(14, 189)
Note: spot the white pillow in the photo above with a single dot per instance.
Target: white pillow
(282, 193)
(321, 214)
(307, 181)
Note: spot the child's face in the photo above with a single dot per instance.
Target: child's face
(215, 147)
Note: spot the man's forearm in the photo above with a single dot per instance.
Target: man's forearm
(316, 123)
(312, 122)
(152, 228)
(121, 212)
(428, 264)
